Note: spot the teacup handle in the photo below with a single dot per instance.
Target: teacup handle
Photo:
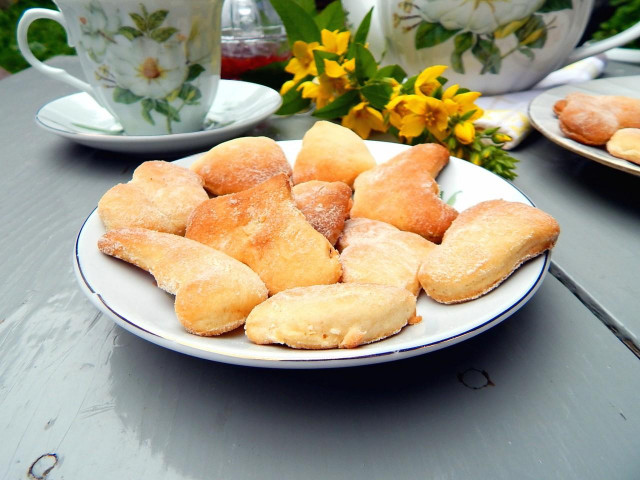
(618, 40)
(27, 19)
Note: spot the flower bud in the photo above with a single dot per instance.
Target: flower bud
(465, 132)
(501, 138)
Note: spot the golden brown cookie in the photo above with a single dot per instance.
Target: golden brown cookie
(160, 196)
(483, 246)
(376, 252)
(214, 292)
(342, 315)
(263, 228)
(331, 153)
(625, 144)
(325, 205)
(240, 163)
(593, 119)
(403, 192)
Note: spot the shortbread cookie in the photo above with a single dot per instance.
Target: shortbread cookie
(325, 205)
(331, 153)
(160, 196)
(483, 246)
(214, 292)
(593, 119)
(402, 192)
(240, 164)
(262, 228)
(343, 315)
(376, 252)
(625, 144)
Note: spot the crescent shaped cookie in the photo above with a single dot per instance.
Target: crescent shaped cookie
(214, 293)
(483, 246)
(160, 196)
(593, 119)
(376, 252)
(331, 153)
(625, 144)
(403, 192)
(342, 315)
(325, 205)
(240, 164)
(262, 228)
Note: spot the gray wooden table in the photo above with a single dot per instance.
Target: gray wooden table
(551, 393)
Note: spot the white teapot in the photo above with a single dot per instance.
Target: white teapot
(490, 46)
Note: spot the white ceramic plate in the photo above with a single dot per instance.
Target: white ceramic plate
(129, 296)
(545, 121)
(238, 107)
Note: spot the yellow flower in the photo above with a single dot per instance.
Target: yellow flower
(397, 109)
(427, 81)
(324, 89)
(302, 63)
(335, 42)
(286, 86)
(362, 119)
(465, 132)
(335, 70)
(460, 103)
(425, 113)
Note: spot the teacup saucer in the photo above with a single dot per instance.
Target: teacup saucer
(238, 107)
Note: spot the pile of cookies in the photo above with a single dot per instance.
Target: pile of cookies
(602, 120)
(335, 261)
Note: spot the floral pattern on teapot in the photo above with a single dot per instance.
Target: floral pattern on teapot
(486, 31)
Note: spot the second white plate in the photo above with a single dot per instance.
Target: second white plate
(545, 121)
(129, 296)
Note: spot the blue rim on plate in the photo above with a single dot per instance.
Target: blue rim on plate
(101, 278)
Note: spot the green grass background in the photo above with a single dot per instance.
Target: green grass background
(47, 38)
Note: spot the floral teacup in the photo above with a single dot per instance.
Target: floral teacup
(492, 46)
(154, 64)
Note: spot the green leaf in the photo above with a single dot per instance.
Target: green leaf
(163, 34)
(332, 17)
(532, 34)
(339, 107)
(555, 5)
(156, 18)
(463, 42)
(408, 87)
(488, 55)
(163, 107)
(148, 104)
(140, 22)
(391, 71)
(129, 32)
(378, 94)
(122, 95)
(527, 51)
(297, 22)
(194, 71)
(366, 65)
(456, 62)
(466, 116)
(432, 34)
(363, 29)
(190, 94)
(292, 101)
(319, 56)
(308, 6)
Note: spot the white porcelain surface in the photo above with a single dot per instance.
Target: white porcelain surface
(545, 121)
(238, 107)
(129, 296)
